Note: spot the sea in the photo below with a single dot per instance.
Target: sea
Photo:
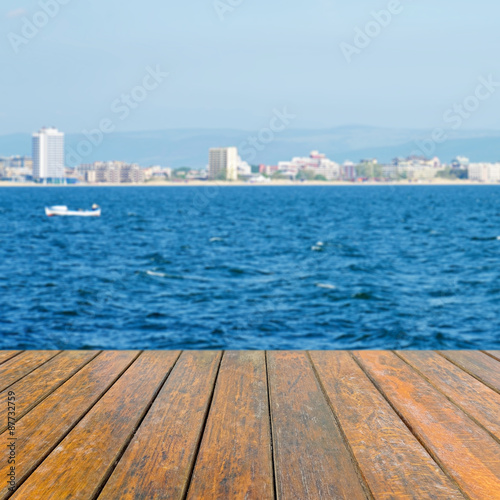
(258, 267)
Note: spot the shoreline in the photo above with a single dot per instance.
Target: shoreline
(441, 182)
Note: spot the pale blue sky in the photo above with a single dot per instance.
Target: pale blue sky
(265, 54)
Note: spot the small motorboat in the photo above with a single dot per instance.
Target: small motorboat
(62, 211)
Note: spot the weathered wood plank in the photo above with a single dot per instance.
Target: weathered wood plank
(495, 354)
(311, 458)
(35, 386)
(158, 461)
(482, 366)
(43, 427)
(22, 364)
(6, 355)
(96, 442)
(466, 451)
(235, 458)
(473, 397)
(393, 462)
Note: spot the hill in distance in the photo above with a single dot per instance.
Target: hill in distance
(189, 147)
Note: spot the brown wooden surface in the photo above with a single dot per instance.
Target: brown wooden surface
(252, 425)
(494, 354)
(158, 461)
(478, 364)
(46, 425)
(380, 441)
(235, 458)
(22, 364)
(6, 355)
(476, 399)
(111, 421)
(35, 386)
(467, 452)
(311, 457)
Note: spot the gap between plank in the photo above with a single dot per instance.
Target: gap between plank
(12, 357)
(457, 405)
(496, 358)
(357, 468)
(26, 411)
(106, 477)
(273, 461)
(403, 419)
(202, 431)
(78, 420)
(35, 368)
(477, 377)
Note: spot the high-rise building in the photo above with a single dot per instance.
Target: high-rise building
(223, 164)
(48, 154)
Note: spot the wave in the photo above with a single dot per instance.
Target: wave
(326, 285)
(153, 273)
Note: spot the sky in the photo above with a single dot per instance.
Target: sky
(233, 63)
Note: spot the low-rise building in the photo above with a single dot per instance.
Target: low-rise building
(413, 168)
(16, 168)
(348, 171)
(484, 172)
(116, 172)
(315, 165)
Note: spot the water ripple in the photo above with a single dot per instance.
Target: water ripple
(278, 268)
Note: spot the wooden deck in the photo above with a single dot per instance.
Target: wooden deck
(251, 425)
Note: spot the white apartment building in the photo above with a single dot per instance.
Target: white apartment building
(484, 172)
(223, 162)
(413, 169)
(316, 163)
(420, 171)
(48, 154)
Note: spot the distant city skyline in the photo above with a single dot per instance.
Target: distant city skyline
(183, 147)
(231, 68)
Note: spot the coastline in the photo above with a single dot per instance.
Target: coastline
(280, 183)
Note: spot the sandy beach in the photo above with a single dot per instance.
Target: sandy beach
(280, 183)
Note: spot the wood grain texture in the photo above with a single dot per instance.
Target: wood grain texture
(384, 425)
(97, 441)
(478, 364)
(235, 458)
(311, 458)
(159, 459)
(392, 461)
(6, 355)
(466, 451)
(495, 354)
(42, 428)
(22, 364)
(472, 396)
(34, 387)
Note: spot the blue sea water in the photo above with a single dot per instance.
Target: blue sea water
(252, 268)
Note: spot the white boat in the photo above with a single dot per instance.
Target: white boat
(62, 210)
